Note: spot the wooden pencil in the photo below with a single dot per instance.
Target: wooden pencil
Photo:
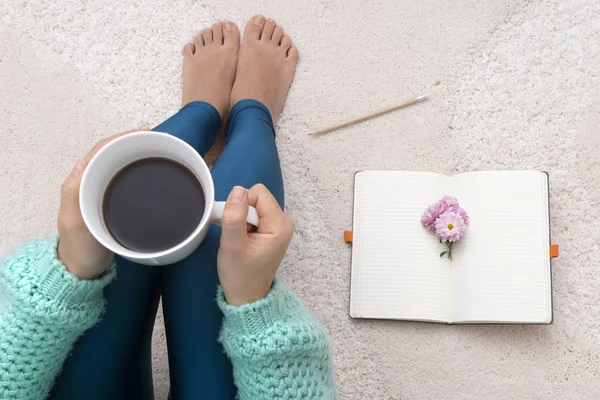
(406, 102)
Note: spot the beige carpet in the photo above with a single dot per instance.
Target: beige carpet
(513, 84)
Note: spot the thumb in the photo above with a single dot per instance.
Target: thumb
(234, 217)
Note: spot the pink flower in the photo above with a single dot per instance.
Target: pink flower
(452, 205)
(463, 214)
(448, 219)
(432, 213)
(450, 226)
(449, 201)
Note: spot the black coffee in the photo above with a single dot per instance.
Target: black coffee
(153, 204)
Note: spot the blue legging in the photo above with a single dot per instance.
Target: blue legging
(113, 359)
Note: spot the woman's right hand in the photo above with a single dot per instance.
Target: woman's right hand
(79, 251)
(247, 261)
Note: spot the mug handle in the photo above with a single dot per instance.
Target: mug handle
(219, 208)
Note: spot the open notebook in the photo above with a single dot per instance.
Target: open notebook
(500, 271)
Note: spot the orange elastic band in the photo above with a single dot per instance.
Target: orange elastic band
(348, 236)
(554, 251)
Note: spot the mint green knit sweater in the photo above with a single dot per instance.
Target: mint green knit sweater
(277, 348)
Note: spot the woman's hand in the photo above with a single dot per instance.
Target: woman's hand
(247, 261)
(81, 253)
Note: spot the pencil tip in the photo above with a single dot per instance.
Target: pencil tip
(422, 97)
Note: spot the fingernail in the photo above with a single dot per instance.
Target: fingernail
(78, 168)
(258, 20)
(237, 195)
(228, 26)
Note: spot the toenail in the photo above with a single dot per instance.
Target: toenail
(258, 20)
(228, 26)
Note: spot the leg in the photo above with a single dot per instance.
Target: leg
(192, 319)
(198, 365)
(250, 156)
(113, 359)
(197, 123)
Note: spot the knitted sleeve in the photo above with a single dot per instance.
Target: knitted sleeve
(43, 309)
(278, 350)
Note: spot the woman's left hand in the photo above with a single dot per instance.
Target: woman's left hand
(248, 261)
(79, 251)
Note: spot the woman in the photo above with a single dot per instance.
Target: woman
(76, 322)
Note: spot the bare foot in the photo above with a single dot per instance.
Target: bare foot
(266, 65)
(209, 64)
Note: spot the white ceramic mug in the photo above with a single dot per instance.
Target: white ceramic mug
(122, 152)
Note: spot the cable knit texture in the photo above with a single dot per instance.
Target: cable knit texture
(277, 348)
(43, 310)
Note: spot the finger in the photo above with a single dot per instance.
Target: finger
(234, 218)
(88, 157)
(270, 214)
(69, 215)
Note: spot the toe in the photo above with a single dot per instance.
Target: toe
(286, 43)
(293, 54)
(217, 33)
(198, 41)
(207, 36)
(189, 49)
(267, 32)
(277, 35)
(231, 34)
(254, 27)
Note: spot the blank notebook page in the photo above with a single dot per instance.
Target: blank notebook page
(396, 269)
(501, 268)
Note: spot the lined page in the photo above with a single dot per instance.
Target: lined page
(396, 269)
(501, 268)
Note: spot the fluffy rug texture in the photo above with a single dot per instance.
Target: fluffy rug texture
(514, 84)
